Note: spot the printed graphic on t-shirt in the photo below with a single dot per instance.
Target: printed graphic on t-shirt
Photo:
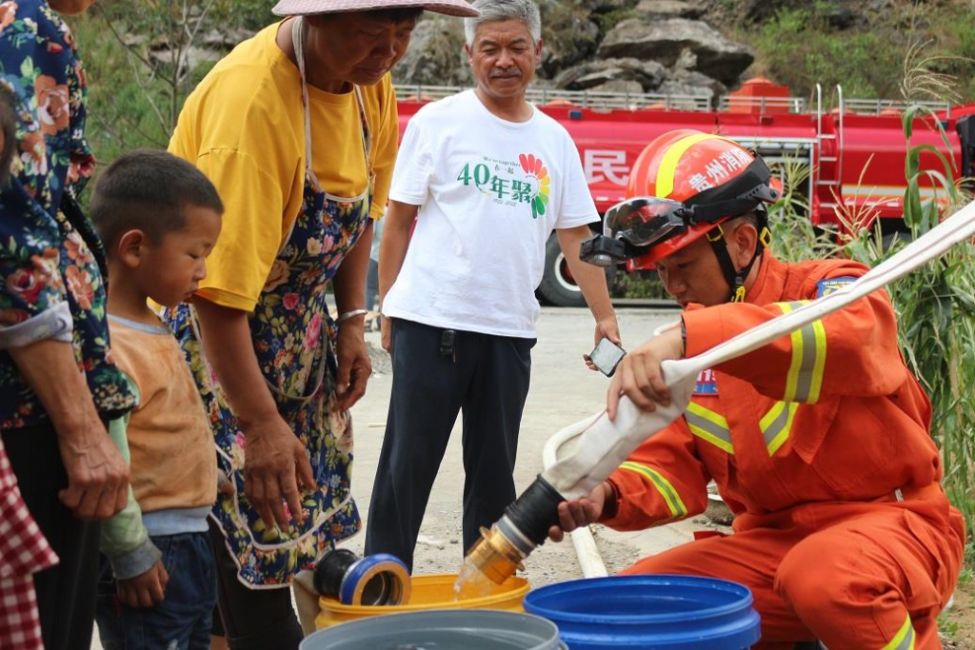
(707, 383)
(510, 184)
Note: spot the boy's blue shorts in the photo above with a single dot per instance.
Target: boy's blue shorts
(182, 620)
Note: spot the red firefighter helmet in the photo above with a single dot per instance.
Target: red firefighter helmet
(683, 186)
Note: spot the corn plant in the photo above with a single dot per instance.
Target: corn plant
(794, 237)
(936, 312)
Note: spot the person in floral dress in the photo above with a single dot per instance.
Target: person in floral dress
(297, 128)
(58, 385)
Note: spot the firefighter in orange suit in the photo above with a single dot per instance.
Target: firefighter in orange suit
(819, 443)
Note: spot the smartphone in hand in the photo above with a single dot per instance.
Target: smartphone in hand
(606, 356)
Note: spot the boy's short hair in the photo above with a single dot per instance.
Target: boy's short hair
(149, 190)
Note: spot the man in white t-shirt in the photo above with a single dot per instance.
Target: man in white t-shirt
(487, 177)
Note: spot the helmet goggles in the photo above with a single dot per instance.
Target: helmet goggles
(634, 226)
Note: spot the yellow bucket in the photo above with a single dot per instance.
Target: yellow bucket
(429, 592)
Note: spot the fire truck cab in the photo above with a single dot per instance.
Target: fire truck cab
(854, 150)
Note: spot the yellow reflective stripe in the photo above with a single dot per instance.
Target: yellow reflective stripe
(777, 424)
(904, 640)
(819, 365)
(666, 490)
(710, 426)
(668, 166)
(805, 379)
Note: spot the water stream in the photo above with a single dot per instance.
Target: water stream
(471, 583)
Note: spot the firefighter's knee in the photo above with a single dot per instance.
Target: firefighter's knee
(813, 590)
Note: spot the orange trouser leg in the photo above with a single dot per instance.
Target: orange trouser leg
(750, 558)
(856, 584)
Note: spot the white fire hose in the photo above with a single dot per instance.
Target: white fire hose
(583, 455)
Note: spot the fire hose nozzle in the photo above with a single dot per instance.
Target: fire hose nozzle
(524, 525)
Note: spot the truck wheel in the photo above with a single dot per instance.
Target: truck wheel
(558, 286)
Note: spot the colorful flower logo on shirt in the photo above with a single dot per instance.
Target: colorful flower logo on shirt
(534, 167)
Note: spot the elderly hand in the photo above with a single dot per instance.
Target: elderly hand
(355, 367)
(639, 375)
(98, 477)
(275, 462)
(606, 328)
(581, 512)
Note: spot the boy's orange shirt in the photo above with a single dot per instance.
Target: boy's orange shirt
(174, 462)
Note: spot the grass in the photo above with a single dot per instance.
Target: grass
(800, 47)
(133, 98)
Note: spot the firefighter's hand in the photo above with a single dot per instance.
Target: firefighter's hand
(606, 328)
(639, 375)
(146, 590)
(580, 512)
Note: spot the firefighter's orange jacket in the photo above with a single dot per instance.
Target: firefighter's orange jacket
(829, 414)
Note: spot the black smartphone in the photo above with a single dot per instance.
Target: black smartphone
(606, 356)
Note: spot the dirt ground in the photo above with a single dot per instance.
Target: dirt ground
(958, 624)
(562, 392)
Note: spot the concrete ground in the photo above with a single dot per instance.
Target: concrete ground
(563, 391)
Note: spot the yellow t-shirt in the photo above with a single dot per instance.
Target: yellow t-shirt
(243, 126)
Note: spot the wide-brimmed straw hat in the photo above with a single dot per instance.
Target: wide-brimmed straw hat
(307, 7)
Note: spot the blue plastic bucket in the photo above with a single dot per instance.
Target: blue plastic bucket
(656, 612)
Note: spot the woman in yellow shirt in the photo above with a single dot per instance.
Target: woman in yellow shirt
(297, 128)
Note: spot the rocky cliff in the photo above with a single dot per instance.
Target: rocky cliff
(704, 47)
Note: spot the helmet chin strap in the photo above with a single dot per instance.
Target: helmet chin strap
(736, 278)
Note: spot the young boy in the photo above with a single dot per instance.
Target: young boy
(159, 218)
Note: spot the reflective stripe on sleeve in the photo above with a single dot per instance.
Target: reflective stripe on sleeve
(663, 486)
(805, 378)
(904, 640)
(709, 426)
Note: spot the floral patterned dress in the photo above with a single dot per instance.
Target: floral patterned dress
(50, 282)
(294, 339)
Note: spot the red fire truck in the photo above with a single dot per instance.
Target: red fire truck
(854, 149)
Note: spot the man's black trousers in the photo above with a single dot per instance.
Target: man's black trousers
(483, 376)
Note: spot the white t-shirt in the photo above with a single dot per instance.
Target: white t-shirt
(490, 192)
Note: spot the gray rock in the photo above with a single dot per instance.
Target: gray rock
(686, 60)
(225, 39)
(665, 40)
(671, 8)
(684, 44)
(436, 55)
(688, 82)
(189, 58)
(569, 33)
(619, 86)
(648, 74)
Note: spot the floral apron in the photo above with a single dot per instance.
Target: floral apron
(294, 339)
